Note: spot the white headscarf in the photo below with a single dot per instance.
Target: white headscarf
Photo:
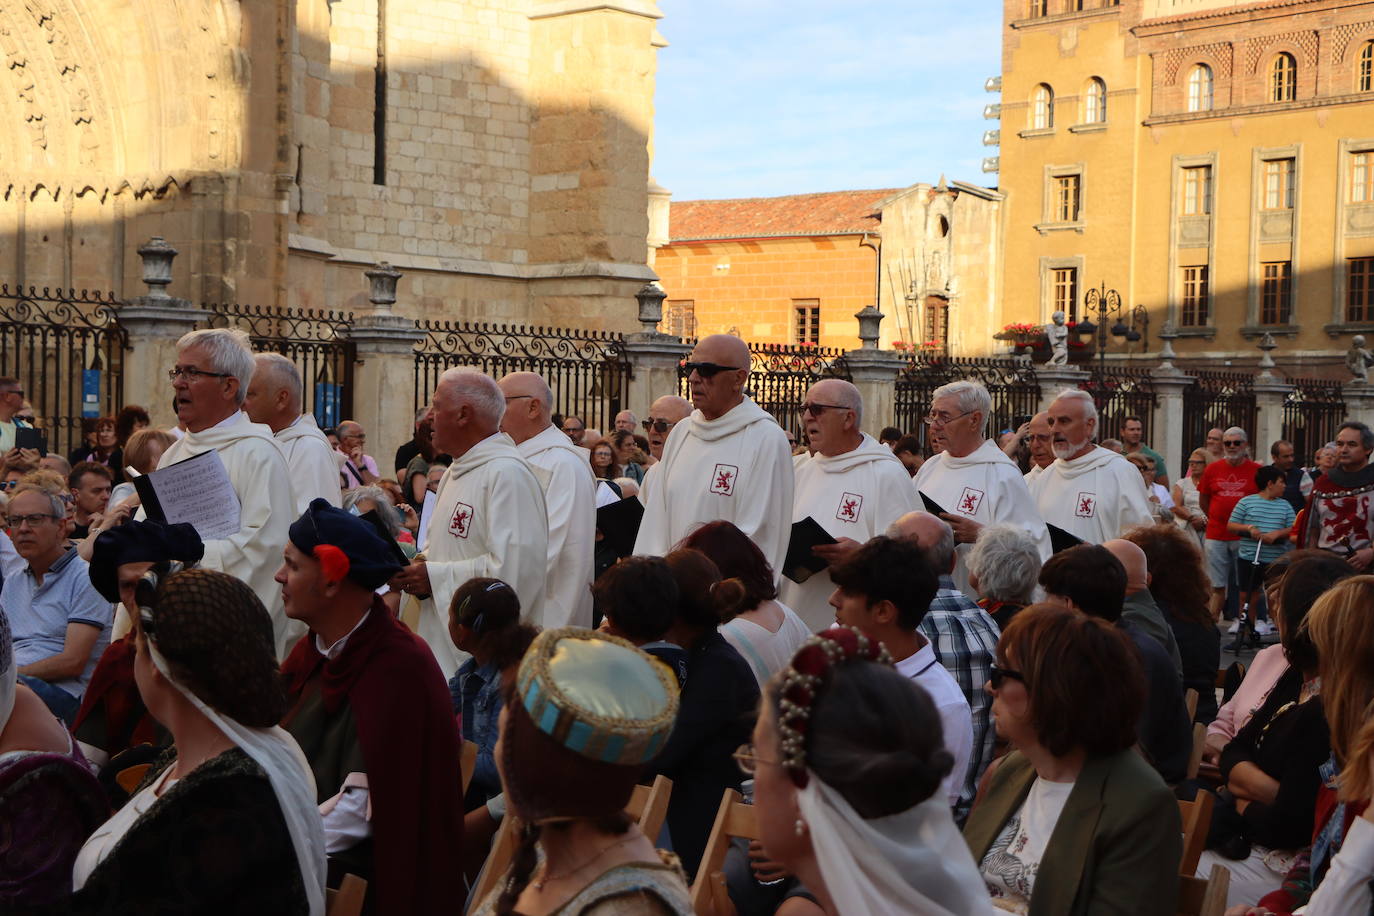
(9, 677)
(912, 862)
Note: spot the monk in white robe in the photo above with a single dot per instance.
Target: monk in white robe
(213, 371)
(274, 400)
(489, 518)
(569, 496)
(729, 460)
(853, 486)
(972, 480)
(1041, 443)
(1091, 492)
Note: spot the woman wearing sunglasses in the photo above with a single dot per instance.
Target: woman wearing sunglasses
(1067, 691)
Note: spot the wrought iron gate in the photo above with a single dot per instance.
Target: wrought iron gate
(1312, 412)
(1120, 393)
(1215, 399)
(1012, 384)
(780, 374)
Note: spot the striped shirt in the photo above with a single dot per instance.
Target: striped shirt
(1267, 515)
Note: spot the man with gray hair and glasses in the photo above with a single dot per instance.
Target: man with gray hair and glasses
(1339, 514)
(1089, 491)
(973, 481)
(210, 382)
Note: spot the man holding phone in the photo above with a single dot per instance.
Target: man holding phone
(11, 400)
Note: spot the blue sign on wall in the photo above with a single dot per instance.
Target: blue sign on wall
(328, 398)
(90, 392)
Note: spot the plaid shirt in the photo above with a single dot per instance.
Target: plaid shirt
(964, 638)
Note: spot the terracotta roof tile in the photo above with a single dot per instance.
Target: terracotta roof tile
(827, 213)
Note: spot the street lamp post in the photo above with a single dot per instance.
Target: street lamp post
(1107, 304)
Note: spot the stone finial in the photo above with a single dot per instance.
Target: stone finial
(869, 321)
(650, 298)
(157, 258)
(1167, 335)
(1266, 362)
(383, 279)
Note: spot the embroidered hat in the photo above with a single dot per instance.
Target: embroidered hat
(140, 542)
(345, 545)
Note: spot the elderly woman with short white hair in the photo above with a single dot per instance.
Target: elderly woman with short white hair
(1004, 567)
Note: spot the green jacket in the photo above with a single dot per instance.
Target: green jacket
(1116, 847)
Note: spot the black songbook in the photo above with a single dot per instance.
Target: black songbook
(28, 437)
(1061, 539)
(801, 564)
(375, 520)
(619, 524)
(932, 506)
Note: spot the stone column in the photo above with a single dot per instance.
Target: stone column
(874, 372)
(654, 360)
(1359, 401)
(154, 323)
(1270, 393)
(1166, 428)
(384, 377)
(1054, 379)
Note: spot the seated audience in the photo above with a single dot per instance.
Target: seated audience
(370, 711)
(1179, 584)
(1003, 567)
(60, 623)
(226, 820)
(884, 590)
(908, 452)
(586, 714)
(1073, 821)
(636, 599)
(374, 497)
(848, 759)
(1138, 608)
(628, 455)
(143, 452)
(484, 622)
(765, 631)
(1090, 579)
(603, 459)
(90, 486)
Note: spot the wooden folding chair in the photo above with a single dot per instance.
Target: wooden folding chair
(1197, 897)
(1197, 820)
(348, 899)
(648, 806)
(1190, 701)
(733, 819)
(1199, 746)
(467, 760)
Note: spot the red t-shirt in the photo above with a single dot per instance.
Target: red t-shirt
(1227, 485)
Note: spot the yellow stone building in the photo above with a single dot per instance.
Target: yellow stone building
(1211, 161)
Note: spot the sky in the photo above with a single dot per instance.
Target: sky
(760, 98)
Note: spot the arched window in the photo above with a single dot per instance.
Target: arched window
(1283, 78)
(1042, 108)
(1200, 88)
(1365, 80)
(1095, 102)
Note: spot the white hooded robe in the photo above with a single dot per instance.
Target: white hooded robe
(986, 486)
(310, 460)
(489, 520)
(570, 497)
(1096, 497)
(267, 507)
(736, 468)
(853, 495)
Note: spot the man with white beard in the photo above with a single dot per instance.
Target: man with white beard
(973, 480)
(569, 496)
(853, 486)
(729, 460)
(274, 400)
(1090, 492)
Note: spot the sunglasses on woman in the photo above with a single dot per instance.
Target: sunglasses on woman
(998, 676)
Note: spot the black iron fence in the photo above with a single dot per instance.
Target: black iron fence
(315, 340)
(1012, 384)
(67, 350)
(1215, 399)
(1120, 393)
(780, 374)
(587, 370)
(1312, 412)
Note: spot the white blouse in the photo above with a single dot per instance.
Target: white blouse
(767, 651)
(1011, 862)
(108, 835)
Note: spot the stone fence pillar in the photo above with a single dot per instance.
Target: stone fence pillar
(384, 377)
(1166, 428)
(1270, 393)
(654, 360)
(874, 372)
(154, 323)
(1359, 402)
(1054, 379)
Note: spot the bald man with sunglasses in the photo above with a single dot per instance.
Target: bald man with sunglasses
(728, 461)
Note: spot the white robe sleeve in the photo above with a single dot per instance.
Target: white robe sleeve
(1133, 501)
(654, 538)
(1016, 506)
(314, 472)
(766, 516)
(570, 499)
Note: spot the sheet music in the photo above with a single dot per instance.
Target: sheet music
(198, 491)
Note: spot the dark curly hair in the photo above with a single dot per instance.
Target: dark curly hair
(1178, 580)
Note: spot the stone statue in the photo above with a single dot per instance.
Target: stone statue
(1358, 360)
(1058, 336)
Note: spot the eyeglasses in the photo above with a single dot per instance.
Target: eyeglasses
(1234, 443)
(708, 370)
(658, 426)
(18, 391)
(939, 419)
(1196, 461)
(996, 676)
(747, 760)
(573, 429)
(18, 521)
(191, 373)
(26, 417)
(816, 409)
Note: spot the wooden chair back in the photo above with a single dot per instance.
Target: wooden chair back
(1197, 897)
(1190, 701)
(648, 806)
(1197, 820)
(348, 899)
(733, 819)
(467, 760)
(1199, 745)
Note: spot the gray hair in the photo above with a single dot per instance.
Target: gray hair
(1078, 394)
(1237, 431)
(477, 389)
(283, 373)
(941, 553)
(56, 503)
(1366, 434)
(969, 395)
(382, 500)
(230, 352)
(1006, 562)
